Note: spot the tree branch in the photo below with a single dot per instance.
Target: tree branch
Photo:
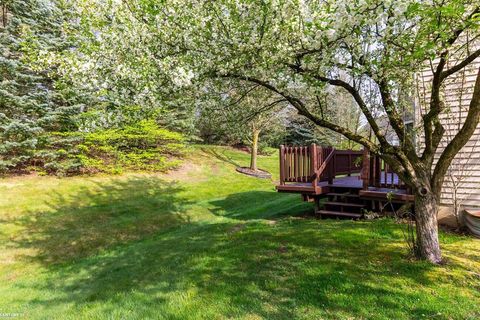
(445, 74)
(265, 108)
(303, 110)
(432, 114)
(356, 96)
(396, 121)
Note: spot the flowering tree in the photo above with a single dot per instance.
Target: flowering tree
(297, 49)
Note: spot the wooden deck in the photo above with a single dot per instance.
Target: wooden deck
(316, 172)
(353, 182)
(348, 183)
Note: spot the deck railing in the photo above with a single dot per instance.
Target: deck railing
(377, 173)
(295, 164)
(314, 164)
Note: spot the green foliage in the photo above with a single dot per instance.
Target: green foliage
(142, 146)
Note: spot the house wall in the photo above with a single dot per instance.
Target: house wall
(464, 173)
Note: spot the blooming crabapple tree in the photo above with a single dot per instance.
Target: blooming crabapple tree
(114, 59)
(297, 49)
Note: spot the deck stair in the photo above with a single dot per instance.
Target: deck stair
(341, 204)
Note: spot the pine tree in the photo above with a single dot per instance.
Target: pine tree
(30, 104)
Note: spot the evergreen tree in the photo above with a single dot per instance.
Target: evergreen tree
(30, 101)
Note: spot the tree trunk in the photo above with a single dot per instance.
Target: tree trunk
(426, 210)
(254, 151)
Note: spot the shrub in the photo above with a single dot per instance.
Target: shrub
(143, 146)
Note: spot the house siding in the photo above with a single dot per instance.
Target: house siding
(464, 173)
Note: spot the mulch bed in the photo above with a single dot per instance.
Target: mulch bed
(262, 174)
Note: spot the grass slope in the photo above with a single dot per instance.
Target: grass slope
(209, 243)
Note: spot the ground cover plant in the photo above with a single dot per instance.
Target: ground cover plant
(142, 146)
(205, 242)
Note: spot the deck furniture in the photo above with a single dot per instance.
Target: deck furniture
(341, 182)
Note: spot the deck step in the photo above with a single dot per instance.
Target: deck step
(340, 214)
(349, 195)
(344, 204)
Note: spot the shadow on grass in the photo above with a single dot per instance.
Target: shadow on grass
(270, 271)
(220, 156)
(260, 205)
(100, 216)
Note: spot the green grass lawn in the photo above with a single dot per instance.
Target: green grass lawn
(208, 243)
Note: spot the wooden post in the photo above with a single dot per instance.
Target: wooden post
(282, 164)
(305, 164)
(288, 163)
(317, 207)
(365, 175)
(334, 164)
(314, 165)
(349, 163)
(385, 174)
(331, 168)
(378, 170)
